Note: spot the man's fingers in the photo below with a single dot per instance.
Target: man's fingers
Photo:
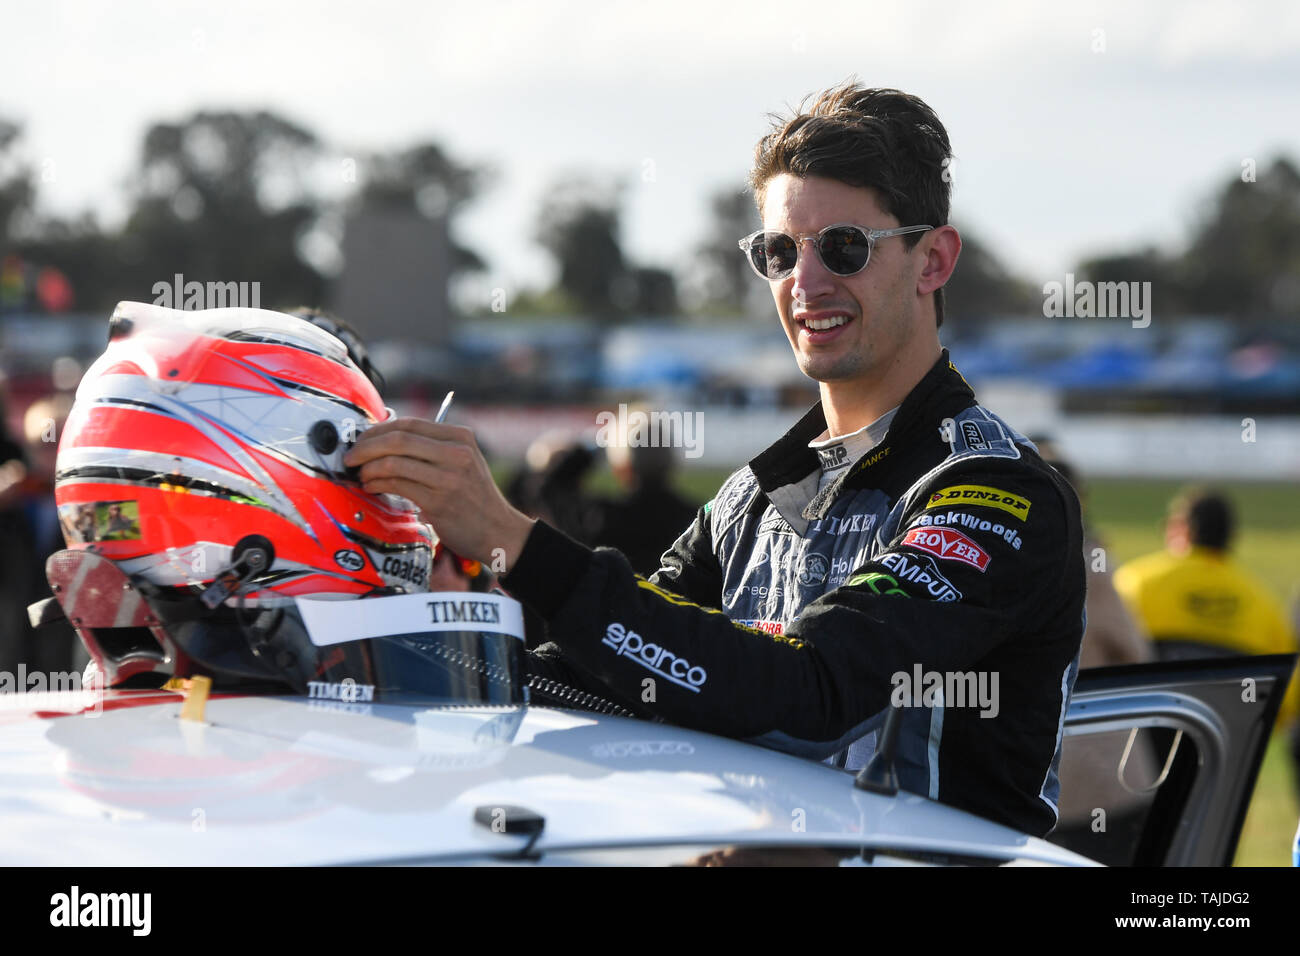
(428, 474)
(417, 426)
(450, 450)
(412, 491)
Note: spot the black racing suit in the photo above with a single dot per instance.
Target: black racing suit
(943, 571)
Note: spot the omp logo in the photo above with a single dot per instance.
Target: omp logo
(949, 545)
(654, 658)
(921, 570)
(952, 518)
(837, 456)
(102, 909)
(983, 496)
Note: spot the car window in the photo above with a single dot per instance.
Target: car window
(1112, 782)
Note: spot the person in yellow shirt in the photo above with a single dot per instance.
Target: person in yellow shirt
(1195, 601)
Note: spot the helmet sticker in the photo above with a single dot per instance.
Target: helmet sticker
(92, 521)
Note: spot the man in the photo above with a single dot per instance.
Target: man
(1195, 601)
(897, 534)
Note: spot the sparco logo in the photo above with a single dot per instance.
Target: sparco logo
(655, 658)
(921, 570)
(349, 560)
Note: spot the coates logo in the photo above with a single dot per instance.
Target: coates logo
(949, 545)
(654, 658)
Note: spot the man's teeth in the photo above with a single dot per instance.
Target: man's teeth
(819, 325)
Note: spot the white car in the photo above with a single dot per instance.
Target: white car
(122, 779)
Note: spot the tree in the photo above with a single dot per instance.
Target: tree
(981, 287)
(17, 192)
(425, 179)
(1244, 258)
(722, 280)
(221, 196)
(578, 224)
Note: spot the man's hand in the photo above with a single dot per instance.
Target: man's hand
(440, 469)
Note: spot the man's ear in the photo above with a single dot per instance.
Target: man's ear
(943, 246)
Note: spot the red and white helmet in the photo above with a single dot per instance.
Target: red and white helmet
(201, 438)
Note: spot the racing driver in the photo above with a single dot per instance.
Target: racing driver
(899, 546)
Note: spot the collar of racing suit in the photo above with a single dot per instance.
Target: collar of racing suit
(916, 428)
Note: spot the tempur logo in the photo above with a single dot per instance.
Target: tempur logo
(75, 909)
(654, 658)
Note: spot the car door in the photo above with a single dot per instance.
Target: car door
(1159, 760)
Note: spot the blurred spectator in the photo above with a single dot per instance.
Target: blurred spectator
(549, 485)
(645, 521)
(14, 566)
(35, 534)
(1094, 773)
(1196, 601)
(1112, 636)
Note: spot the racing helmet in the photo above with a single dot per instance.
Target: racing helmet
(202, 494)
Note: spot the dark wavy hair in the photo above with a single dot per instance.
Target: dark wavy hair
(882, 139)
(1211, 521)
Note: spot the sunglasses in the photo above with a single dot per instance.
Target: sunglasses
(844, 249)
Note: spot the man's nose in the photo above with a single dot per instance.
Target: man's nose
(811, 277)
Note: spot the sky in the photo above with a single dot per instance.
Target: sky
(1077, 127)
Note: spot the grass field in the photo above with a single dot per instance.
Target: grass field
(1128, 515)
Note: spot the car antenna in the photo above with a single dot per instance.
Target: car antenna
(879, 775)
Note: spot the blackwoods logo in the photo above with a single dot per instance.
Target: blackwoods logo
(193, 296)
(1009, 535)
(946, 689)
(638, 429)
(103, 909)
(654, 658)
(1101, 300)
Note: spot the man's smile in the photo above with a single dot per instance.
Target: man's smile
(819, 327)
